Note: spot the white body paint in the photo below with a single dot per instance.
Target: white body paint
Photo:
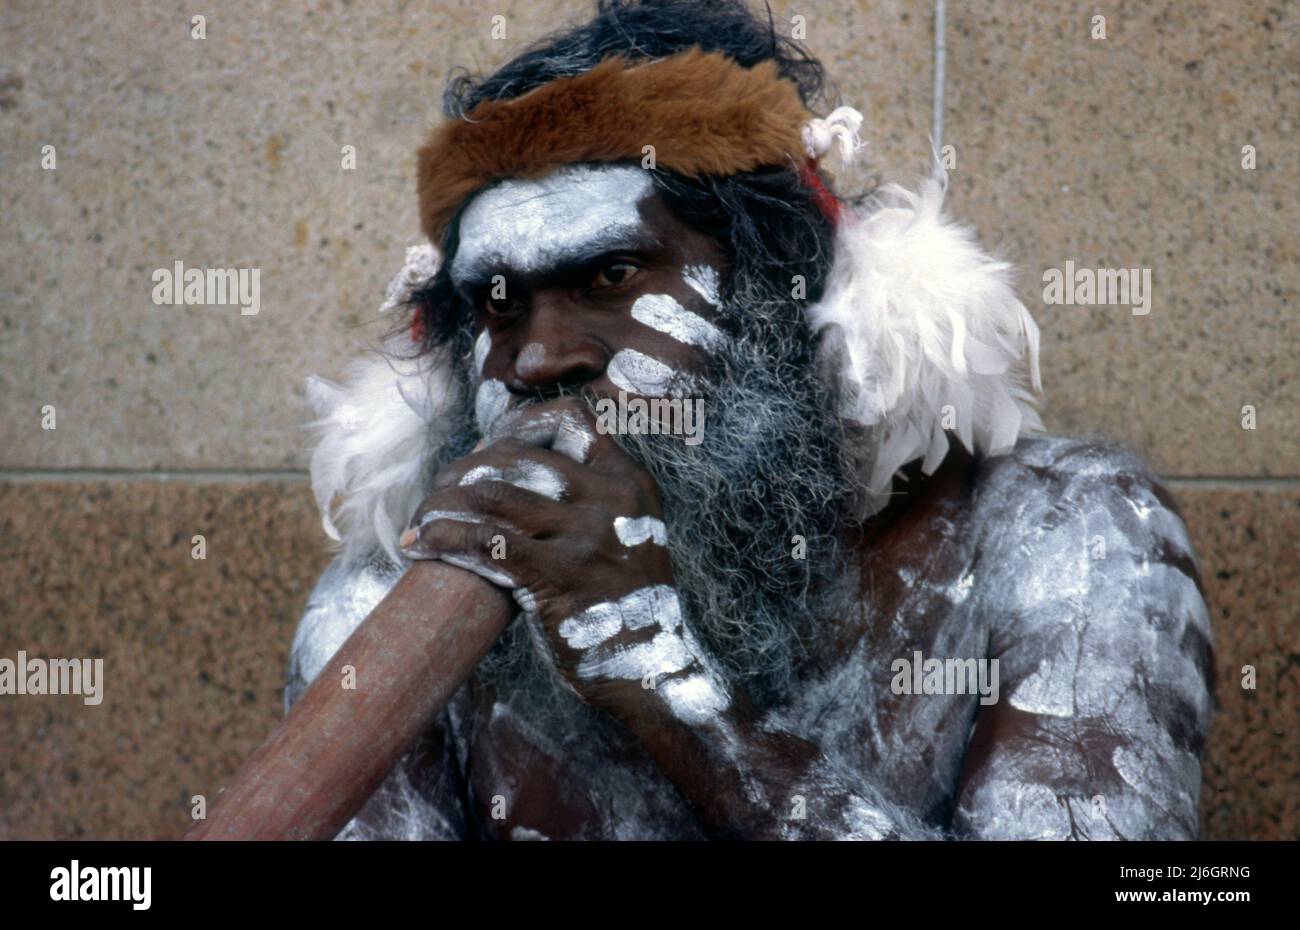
(531, 476)
(695, 698)
(633, 531)
(490, 403)
(460, 516)
(564, 431)
(519, 834)
(663, 655)
(480, 568)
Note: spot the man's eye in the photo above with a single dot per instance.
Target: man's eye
(614, 274)
(499, 307)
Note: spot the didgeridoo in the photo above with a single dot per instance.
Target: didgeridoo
(329, 755)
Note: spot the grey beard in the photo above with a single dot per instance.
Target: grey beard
(771, 466)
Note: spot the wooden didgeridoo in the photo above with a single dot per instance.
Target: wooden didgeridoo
(329, 755)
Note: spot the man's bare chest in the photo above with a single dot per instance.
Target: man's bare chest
(530, 776)
(913, 596)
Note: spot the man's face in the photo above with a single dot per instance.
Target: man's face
(605, 290)
(585, 279)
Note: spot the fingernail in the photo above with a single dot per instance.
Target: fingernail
(408, 539)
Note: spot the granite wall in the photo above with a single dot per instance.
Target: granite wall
(226, 151)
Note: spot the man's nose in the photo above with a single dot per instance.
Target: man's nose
(554, 353)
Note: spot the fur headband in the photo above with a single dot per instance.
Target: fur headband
(704, 113)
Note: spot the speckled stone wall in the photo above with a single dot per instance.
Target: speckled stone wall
(227, 152)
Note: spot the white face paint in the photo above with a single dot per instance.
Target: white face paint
(482, 346)
(527, 225)
(530, 360)
(531, 476)
(638, 373)
(704, 280)
(633, 531)
(663, 313)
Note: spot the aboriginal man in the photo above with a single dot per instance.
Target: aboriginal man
(821, 576)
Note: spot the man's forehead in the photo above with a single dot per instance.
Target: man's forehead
(532, 225)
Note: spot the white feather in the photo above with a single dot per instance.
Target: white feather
(925, 320)
(375, 432)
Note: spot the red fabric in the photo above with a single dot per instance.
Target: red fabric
(825, 200)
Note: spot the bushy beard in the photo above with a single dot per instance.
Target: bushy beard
(756, 517)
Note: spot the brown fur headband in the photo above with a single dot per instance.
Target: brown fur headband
(703, 112)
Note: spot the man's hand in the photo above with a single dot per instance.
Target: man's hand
(561, 516)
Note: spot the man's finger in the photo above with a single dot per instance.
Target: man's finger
(564, 425)
(491, 552)
(496, 503)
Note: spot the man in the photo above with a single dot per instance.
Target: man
(814, 617)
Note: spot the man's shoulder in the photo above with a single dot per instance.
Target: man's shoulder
(343, 596)
(1046, 482)
(1060, 470)
(1082, 520)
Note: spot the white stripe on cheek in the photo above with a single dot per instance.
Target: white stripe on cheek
(482, 346)
(704, 280)
(638, 373)
(633, 531)
(661, 312)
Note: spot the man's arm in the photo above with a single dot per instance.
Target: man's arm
(747, 779)
(1097, 618)
(423, 798)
